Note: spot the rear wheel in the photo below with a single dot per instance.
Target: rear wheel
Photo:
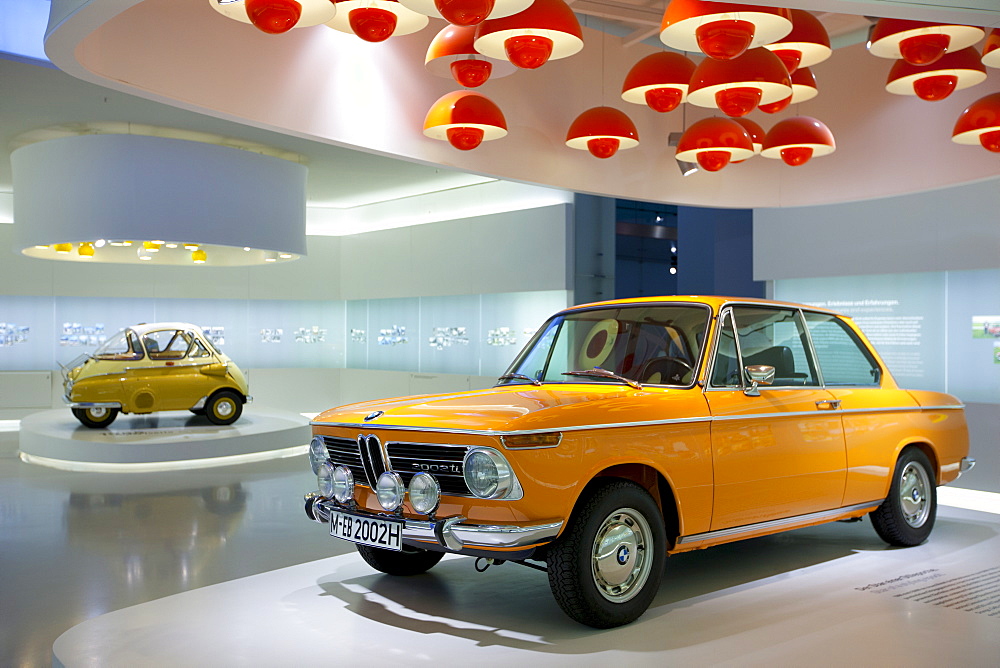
(605, 569)
(224, 407)
(907, 515)
(95, 417)
(408, 561)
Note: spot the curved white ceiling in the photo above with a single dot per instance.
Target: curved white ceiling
(331, 87)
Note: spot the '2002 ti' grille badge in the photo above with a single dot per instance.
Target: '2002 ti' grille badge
(372, 416)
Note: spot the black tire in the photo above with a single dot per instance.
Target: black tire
(620, 521)
(224, 407)
(95, 418)
(907, 515)
(410, 561)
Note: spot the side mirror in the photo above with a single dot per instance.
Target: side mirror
(759, 374)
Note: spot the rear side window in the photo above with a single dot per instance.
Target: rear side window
(843, 358)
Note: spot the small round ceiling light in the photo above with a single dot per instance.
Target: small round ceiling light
(803, 89)
(714, 142)
(199, 256)
(919, 42)
(991, 49)
(738, 85)
(797, 140)
(980, 124)
(451, 54)
(466, 12)
(86, 250)
(756, 135)
(721, 30)
(376, 20)
(955, 70)
(547, 30)
(602, 131)
(660, 81)
(276, 16)
(465, 119)
(806, 45)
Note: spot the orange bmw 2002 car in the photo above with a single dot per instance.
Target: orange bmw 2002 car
(629, 430)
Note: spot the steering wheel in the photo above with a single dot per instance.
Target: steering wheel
(644, 369)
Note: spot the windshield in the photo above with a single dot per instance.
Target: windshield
(649, 344)
(122, 346)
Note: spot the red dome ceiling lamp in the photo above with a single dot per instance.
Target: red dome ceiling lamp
(797, 140)
(465, 119)
(466, 12)
(803, 89)
(714, 142)
(721, 30)
(806, 45)
(919, 42)
(546, 30)
(955, 70)
(376, 20)
(660, 80)
(277, 16)
(756, 136)
(737, 86)
(980, 124)
(991, 49)
(602, 131)
(451, 54)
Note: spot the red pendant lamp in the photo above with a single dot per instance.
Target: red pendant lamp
(376, 20)
(465, 119)
(277, 16)
(955, 70)
(756, 133)
(602, 131)
(738, 85)
(451, 54)
(714, 142)
(797, 140)
(466, 12)
(980, 124)
(721, 30)
(806, 45)
(803, 89)
(546, 30)
(660, 80)
(991, 49)
(919, 42)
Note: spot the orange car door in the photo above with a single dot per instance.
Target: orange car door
(782, 453)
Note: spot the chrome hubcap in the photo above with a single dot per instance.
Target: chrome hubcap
(97, 413)
(914, 490)
(621, 558)
(224, 408)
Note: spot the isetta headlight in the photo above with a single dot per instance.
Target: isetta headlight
(343, 484)
(317, 453)
(389, 489)
(425, 493)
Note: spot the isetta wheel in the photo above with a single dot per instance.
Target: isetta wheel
(223, 407)
(96, 417)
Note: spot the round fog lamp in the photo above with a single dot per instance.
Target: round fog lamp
(317, 453)
(389, 490)
(425, 493)
(487, 473)
(324, 479)
(343, 484)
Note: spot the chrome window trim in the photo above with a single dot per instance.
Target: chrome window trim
(780, 523)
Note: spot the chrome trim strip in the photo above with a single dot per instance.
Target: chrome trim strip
(776, 524)
(91, 404)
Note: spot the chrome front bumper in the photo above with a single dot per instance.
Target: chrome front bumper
(91, 404)
(451, 533)
(967, 464)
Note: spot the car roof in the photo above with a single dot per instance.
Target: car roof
(146, 327)
(714, 301)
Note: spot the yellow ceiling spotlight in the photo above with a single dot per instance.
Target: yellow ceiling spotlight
(63, 248)
(152, 246)
(190, 246)
(86, 250)
(199, 256)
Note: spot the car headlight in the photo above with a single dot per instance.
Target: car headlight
(425, 493)
(343, 484)
(317, 453)
(389, 490)
(488, 475)
(324, 479)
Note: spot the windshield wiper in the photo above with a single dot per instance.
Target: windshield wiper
(598, 372)
(518, 376)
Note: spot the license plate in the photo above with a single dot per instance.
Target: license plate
(373, 531)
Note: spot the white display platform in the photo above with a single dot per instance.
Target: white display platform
(829, 595)
(142, 442)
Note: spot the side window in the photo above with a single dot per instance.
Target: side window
(726, 366)
(775, 337)
(166, 344)
(198, 350)
(843, 358)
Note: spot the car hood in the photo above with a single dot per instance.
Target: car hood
(522, 408)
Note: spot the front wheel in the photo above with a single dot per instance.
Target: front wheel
(224, 407)
(907, 515)
(408, 561)
(95, 417)
(605, 569)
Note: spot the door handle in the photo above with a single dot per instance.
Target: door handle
(828, 404)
